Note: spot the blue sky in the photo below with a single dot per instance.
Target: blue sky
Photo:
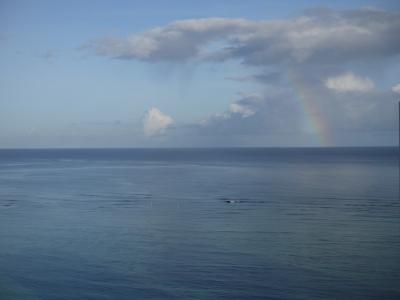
(94, 74)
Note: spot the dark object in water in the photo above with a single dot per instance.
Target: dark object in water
(229, 200)
(232, 201)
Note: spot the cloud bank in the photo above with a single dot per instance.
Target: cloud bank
(318, 36)
(318, 70)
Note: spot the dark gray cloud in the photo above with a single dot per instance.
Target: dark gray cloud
(297, 110)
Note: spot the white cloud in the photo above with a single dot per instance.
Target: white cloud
(236, 109)
(396, 88)
(349, 82)
(242, 110)
(155, 122)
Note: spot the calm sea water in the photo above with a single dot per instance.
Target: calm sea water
(200, 224)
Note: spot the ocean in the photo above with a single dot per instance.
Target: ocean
(234, 223)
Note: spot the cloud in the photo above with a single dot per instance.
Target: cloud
(326, 36)
(176, 41)
(254, 114)
(244, 108)
(155, 122)
(396, 88)
(241, 110)
(348, 82)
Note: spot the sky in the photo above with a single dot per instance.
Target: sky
(199, 73)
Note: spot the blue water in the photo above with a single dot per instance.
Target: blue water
(200, 224)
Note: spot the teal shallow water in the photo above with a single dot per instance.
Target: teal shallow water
(200, 224)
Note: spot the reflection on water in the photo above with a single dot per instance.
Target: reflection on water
(200, 224)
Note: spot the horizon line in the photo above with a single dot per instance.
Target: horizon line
(200, 147)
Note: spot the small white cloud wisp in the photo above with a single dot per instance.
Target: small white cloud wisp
(396, 88)
(241, 110)
(155, 122)
(349, 82)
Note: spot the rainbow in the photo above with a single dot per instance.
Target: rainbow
(314, 120)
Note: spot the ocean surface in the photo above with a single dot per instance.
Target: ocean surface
(247, 223)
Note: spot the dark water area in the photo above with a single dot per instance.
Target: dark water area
(249, 223)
